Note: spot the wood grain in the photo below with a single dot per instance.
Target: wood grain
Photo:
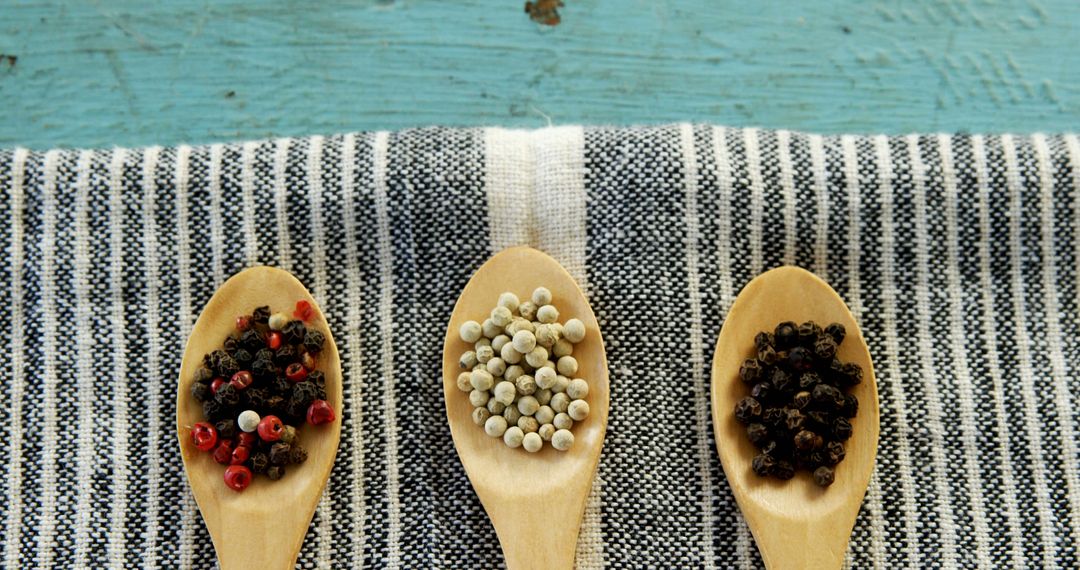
(138, 73)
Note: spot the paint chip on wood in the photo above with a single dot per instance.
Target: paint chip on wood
(544, 11)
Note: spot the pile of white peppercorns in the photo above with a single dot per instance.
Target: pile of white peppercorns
(518, 373)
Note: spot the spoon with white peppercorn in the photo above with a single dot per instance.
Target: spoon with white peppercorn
(525, 493)
(263, 527)
(795, 523)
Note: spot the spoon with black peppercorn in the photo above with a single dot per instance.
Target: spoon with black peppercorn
(796, 523)
(262, 527)
(535, 501)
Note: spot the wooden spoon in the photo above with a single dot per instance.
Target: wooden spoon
(795, 523)
(263, 526)
(535, 500)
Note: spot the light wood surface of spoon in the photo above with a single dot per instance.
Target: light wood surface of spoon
(535, 500)
(263, 526)
(796, 523)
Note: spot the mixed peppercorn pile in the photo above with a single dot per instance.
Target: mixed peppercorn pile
(798, 412)
(257, 390)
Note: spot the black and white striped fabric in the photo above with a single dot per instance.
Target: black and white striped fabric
(958, 254)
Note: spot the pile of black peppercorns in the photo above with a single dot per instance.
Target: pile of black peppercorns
(798, 412)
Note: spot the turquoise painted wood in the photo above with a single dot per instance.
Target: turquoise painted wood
(137, 73)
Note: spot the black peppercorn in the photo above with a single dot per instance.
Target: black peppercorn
(826, 397)
(295, 409)
(762, 340)
(276, 404)
(281, 386)
(762, 464)
(747, 410)
(794, 420)
(836, 331)
(317, 378)
(227, 395)
(841, 429)
(304, 392)
(808, 333)
(824, 476)
(825, 348)
(804, 440)
(750, 372)
(252, 340)
(783, 469)
(773, 416)
(204, 374)
(313, 341)
(200, 391)
(294, 332)
(259, 462)
(801, 400)
(834, 453)
(786, 335)
(782, 380)
(279, 453)
(226, 429)
(853, 373)
(800, 359)
(819, 420)
(227, 366)
(264, 354)
(285, 355)
(762, 391)
(297, 455)
(243, 357)
(808, 380)
(256, 398)
(775, 448)
(261, 315)
(768, 355)
(757, 433)
(213, 410)
(263, 369)
(230, 345)
(275, 472)
(850, 408)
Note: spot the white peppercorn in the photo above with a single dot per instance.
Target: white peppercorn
(481, 342)
(501, 316)
(545, 378)
(567, 366)
(578, 389)
(526, 385)
(495, 407)
(528, 405)
(484, 354)
(546, 431)
(546, 336)
(248, 421)
(495, 426)
(482, 380)
(532, 442)
(560, 402)
(527, 310)
(468, 360)
(544, 414)
(277, 321)
(496, 366)
(498, 342)
(509, 355)
(562, 347)
(513, 372)
(562, 439)
(536, 357)
(513, 437)
(543, 397)
(563, 421)
(578, 410)
(464, 382)
(478, 398)
(491, 330)
(505, 392)
(519, 324)
(528, 424)
(547, 314)
(549, 363)
(479, 366)
(480, 415)
(561, 383)
(541, 296)
(574, 330)
(509, 300)
(511, 414)
(470, 331)
(524, 341)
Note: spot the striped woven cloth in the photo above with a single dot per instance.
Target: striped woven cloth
(958, 255)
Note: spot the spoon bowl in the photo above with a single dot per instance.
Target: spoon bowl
(796, 523)
(263, 526)
(534, 500)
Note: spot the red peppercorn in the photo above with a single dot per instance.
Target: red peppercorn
(204, 435)
(240, 455)
(241, 380)
(273, 340)
(223, 453)
(247, 438)
(320, 412)
(271, 428)
(215, 384)
(237, 477)
(296, 372)
(243, 323)
(303, 310)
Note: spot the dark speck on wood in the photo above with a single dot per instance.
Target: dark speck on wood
(11, 60)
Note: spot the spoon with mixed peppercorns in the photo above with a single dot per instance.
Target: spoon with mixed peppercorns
(258, 416)
(795, 416)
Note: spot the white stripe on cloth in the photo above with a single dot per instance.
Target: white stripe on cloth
(560, 200)
(925, 342)
(13, 520)
(217, 230)
(386, 319)
(787, 185)
(1023, 351)
(702, 417)
(46, 531)
(890, 374)
(509, 167)
(1072, 145)
(757, 197)
(356, 373)
(854, 299)
(989, 326)
(247, 191)
(726, 180)
(153, 355)
(958, 349)
(323, 512)
(84, 373)
(186, 319)
(821, 191)
(1058, 367)
(281, 193)
(120, 460)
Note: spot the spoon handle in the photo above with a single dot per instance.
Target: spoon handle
(539, 532)
(795, 544)
(249, 542)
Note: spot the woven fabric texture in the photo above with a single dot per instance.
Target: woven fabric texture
(957, 254)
